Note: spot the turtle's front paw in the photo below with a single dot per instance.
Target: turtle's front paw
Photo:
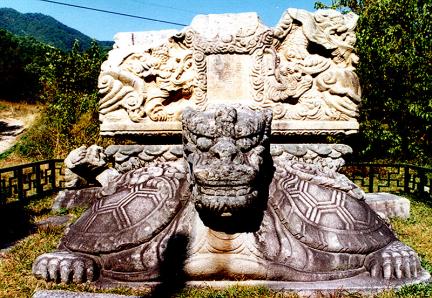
(396, 260)
(63, 266)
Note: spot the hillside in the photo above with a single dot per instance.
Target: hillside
(44, 29)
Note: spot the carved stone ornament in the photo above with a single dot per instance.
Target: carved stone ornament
(225, 148)
(229, 210)
(303, 69)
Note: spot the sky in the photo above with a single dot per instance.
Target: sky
(103, 26)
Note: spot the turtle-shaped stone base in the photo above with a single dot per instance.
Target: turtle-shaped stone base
(229, 211)
(311, 230)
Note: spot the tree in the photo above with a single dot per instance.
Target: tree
(343, 5)
(70, 118)
(395, 48)
(20, 62)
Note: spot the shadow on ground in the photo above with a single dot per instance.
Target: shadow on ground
(172, 275)
(16, 222)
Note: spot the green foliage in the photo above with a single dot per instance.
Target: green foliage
(343, 5)
(20, 63)
(412, 291)
(70, 118)
(395, 48)
(65, 82)
(45, 29)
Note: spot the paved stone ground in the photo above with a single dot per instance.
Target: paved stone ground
(68, 294)
(362, 284)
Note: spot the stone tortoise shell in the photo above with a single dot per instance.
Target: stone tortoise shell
(132, 210)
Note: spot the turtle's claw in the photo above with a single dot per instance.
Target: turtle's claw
(395, 261)
(65, 267)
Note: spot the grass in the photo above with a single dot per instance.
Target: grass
(19, 110)
(417, 230)
(16, 279)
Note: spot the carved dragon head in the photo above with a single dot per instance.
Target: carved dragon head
(225, 147)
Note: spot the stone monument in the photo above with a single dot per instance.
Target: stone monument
(231, 204)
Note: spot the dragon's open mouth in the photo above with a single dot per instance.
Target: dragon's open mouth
(224, 200)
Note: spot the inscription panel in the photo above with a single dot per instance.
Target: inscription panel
(228, 77)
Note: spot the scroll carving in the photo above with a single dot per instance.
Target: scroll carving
(145, 81)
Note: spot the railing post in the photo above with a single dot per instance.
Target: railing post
(53, 174)
(3, 195)
(39, 189)
(422, 182)
(371, 179)
(406, 179)
(20, 188)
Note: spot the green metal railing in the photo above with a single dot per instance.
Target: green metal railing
(402, 178)
(33, 179)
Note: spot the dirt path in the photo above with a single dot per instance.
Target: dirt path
(10, 129)
(14, 119)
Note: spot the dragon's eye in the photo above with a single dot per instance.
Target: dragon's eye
(204, 143)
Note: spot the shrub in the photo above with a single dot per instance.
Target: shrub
(70, 118)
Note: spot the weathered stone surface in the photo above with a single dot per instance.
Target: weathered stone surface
(388, 205)
(107, 176)
(362, 284)
(230, 211)
(83, 165)
(64, 267)
(89, 166)
(225, 148)
(129, 157)
(53, 221)
(303, 69)
(69, 199)
(328, 157)
(227, 205)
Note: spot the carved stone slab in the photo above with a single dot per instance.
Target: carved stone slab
(388, 205)
(303, 69)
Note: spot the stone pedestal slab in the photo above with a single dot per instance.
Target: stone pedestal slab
(388, 205)
(350, 285)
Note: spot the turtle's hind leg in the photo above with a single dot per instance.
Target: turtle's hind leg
(66, 267)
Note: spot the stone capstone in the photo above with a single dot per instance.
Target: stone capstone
(303, 69)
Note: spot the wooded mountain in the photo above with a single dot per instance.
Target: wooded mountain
(45, 29)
